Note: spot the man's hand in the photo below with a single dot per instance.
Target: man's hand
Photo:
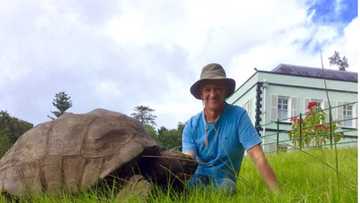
(258, 157)
(190, 154)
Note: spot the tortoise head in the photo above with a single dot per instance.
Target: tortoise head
(174, 168)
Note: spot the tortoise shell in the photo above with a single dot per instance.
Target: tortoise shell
(72, 152)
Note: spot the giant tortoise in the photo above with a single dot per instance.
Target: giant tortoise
(77, 151)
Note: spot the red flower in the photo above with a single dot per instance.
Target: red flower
(312, 105)
(319, 126)
(322, 127)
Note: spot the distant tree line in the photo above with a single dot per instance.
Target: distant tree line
(11, 129)
(167, 138)
(170, 138)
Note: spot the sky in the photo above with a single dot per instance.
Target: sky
(120, 54)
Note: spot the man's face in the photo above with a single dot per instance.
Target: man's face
(213, 95)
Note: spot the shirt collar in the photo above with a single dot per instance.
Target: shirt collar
(218, 119)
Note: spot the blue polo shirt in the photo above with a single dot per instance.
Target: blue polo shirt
(228, 138)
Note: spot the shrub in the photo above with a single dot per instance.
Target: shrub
(312, 130)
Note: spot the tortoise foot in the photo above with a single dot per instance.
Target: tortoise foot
(137, 189)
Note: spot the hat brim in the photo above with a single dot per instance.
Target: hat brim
(229, 84)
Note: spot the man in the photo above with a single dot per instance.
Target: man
(218, 136)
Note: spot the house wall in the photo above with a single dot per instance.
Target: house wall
(300, 90)
(246, 93)
(302, 95)
(243, 90)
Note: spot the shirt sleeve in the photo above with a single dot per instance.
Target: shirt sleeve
(188, 143)
(248, 135)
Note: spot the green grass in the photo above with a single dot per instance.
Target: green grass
(303, 177)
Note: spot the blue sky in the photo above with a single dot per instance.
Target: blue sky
(333, 13)
(327, 12)
(118, 54)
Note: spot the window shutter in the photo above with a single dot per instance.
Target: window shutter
(274, 108)
(334, 110)
(326, 110)
(322, 103)
(354, 115)
(340, 114)
(306, 104)
(294, 107)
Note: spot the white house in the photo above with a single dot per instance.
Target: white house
(286, 91)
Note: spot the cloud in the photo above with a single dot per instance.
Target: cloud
(119, 54)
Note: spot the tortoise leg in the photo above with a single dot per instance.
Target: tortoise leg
(136, 189)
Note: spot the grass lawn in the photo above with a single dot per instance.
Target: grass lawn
(303, 177)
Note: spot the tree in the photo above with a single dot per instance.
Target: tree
(151, 131)
(170, 138)
(4, 142)
(336, 60)
(11, 129)
(62, 102)
(144, 115)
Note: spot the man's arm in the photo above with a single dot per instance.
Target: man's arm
(188, 144)
(257, 155)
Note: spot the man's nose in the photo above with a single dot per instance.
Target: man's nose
(213, 92)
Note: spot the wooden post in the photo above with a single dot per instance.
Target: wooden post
(300, 132)
(330, 125)
(277, 134)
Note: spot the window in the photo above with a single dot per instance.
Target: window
(282, 108)
(347, 115)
